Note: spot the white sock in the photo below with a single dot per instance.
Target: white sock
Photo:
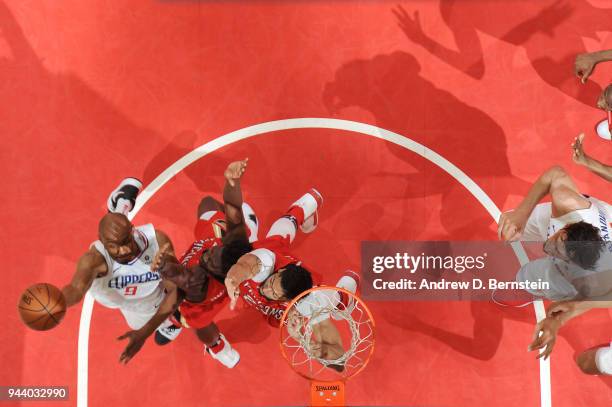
(123, 206)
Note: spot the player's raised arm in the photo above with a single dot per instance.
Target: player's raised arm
(164, 243)
(232, 197)
(585, 63)
(582, 158)
(565, 198)
(90, 266)
(165, 254)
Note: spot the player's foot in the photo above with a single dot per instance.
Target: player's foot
(169, 330)
(310, 203)
(224, 353)
(513, 301)
(123, 198)
(350, 282)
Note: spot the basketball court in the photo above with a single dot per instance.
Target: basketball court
(406, 141)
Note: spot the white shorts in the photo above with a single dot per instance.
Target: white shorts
(136, 312)
(603, 360)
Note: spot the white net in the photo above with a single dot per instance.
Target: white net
(327, 334)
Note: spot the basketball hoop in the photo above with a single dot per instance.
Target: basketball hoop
(327, 337)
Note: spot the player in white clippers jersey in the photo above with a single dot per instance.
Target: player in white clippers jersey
(117, 270)
(597, 360)
(268, 277)
(573, 228)
(223, 232)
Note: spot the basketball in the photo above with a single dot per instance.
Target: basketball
(42, 306)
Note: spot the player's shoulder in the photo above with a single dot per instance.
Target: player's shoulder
(263, 255)
(160, 235)
(566, 200)
(94, 261)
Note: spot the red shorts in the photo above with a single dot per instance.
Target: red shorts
(280, 246)
(201, 314)
(213, 227)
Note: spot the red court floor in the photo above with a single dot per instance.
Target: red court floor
(93, 91)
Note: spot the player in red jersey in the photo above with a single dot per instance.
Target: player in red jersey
(223, 233)
(269, 276)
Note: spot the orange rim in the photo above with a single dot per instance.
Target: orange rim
(302, 295)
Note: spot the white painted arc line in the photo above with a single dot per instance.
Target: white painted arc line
(292, 124)
(83, 348)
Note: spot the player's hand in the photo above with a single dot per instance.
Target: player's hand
(235, 170)
(511, 225)
(158, 260)
(545, 336)
(232, 291)
(411, 26)
(584, 65)
(578, 154)
(135, 342)
(294, 323)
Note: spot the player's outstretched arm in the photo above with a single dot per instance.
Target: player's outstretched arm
(582, 158)
(558, 314)
(164, 256)
(164, 243)
(232, 196)
(585, 63)
(565, 198)
(567, 310)
(137, 338)
(90, 266)
(245, 268)
(545, 336)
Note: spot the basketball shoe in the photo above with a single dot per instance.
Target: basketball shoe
(123, 198)
(224, 353)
